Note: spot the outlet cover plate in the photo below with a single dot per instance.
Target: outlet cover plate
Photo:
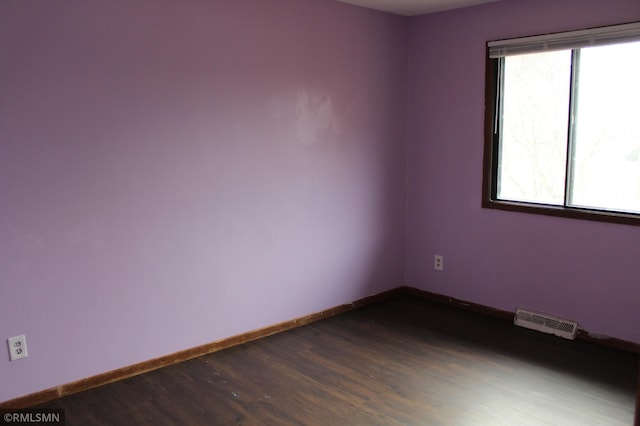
(17, 347)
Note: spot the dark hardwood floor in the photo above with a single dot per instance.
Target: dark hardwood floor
(405, 361)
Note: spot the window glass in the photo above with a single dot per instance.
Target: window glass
(534, 125)
(606, 165)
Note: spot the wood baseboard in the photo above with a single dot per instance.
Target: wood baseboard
(611, 342)
(181, 356)
(164, 361)
(461, 304)
(637, 422)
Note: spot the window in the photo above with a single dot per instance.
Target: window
(563, 124)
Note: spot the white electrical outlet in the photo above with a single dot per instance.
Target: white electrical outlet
(438, 263)
(17, 347)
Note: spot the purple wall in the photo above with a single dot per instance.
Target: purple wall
(177, 172)
(580, 270)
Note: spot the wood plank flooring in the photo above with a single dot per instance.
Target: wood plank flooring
(405, 361)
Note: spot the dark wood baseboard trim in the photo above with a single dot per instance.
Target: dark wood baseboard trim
(611, 342)
(461, 304)
(637, 422)
(164, 361)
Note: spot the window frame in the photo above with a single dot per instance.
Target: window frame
(490, 164)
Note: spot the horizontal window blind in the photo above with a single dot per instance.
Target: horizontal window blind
(567, 40)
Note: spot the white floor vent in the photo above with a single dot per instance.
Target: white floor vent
(546, 323)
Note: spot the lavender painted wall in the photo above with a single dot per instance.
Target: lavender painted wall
(581, 270)
(176, 172)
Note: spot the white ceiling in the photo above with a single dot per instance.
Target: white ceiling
(414, 7)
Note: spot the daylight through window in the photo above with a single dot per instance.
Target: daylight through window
(564, 123)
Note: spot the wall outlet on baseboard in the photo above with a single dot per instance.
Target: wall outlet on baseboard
(17, 347)
(438, 263)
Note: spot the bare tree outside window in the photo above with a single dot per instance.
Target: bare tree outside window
(536, 133)
(534, 127)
